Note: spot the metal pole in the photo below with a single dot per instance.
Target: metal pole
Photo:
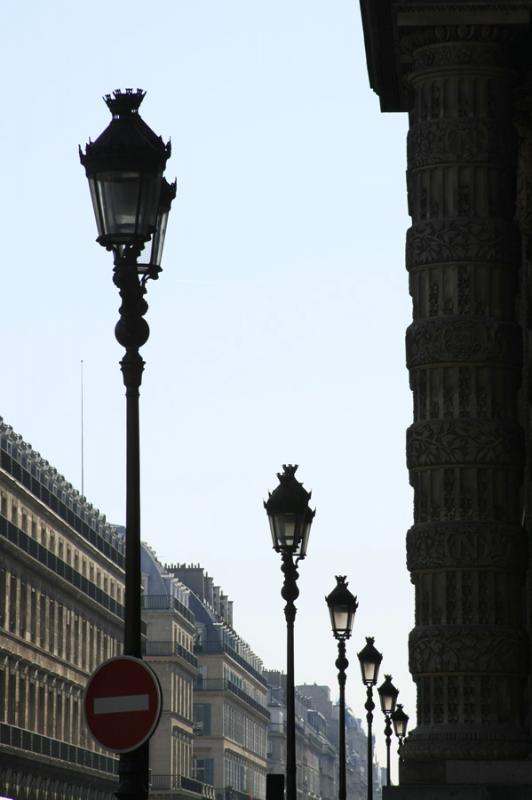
(132, 332)
(388, 736)
(341, 664)
(290, 593)
(369, 706)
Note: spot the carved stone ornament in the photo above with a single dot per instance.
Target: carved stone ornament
(464, 441)
(461, 239)
(473, 649)
(459, 34)
(458, 339)
(459, 54)
(523, 123)
(459, 140)
(464, 545)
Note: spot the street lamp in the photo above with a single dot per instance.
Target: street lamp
(290, 519)
(388, 695)
(342, 607)
(370, 661)
(131, 201)
(400, 724)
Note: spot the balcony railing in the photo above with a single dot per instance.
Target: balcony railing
(43, 745)
(164, 602)
(220, 685)
(167, 783)
(169, 649)
(215, 646)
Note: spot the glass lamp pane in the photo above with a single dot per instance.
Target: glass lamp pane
(125, 206)
(370, 671)
(341, 619)
(158, 239)
(305, 537)
(286, 529)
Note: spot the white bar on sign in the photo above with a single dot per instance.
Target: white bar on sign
(126, 702)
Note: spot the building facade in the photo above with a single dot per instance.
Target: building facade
(169, 650)
(230, 696)
(317, 743)
(61, 595)
(462, 72)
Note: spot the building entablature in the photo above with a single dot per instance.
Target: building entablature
(390, 28)
(29, 469)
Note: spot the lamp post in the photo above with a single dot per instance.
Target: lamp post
(290, 519)
(342, 608)
(388, 696)
(370, 661)
(131, 201)
(400, 724)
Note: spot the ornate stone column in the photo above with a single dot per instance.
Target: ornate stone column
(459, 69)
(466, 550)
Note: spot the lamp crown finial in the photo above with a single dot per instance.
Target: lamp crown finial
(122, 103)
(289, 471)
(341, 580)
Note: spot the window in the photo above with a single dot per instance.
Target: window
(14, 513)
(12, 602)
(2, 596)
(33, 615)
(3, 504)
(24, 521)
(202, 719)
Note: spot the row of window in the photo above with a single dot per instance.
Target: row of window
(31, 700)
(51, 625)
(181, 700)
(12, 510)
(244, 730)
(181, 763)
(243, 776)
(260, 696)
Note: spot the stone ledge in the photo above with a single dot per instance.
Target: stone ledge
(457, 792)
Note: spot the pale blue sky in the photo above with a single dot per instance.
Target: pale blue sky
(277, 324)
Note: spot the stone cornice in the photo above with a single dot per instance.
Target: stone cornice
(384, 20)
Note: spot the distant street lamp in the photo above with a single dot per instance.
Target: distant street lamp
(388, 696)
(370, 661)
(131, 201)
(290, 520)
(342, 608)
(400, 724)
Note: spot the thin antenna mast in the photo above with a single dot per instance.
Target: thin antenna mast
(82, 438)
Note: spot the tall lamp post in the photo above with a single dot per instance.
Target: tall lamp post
(400, 723)
(370, 661)
(290, 520)
(131, 202)
(388, 696)
(342, 608)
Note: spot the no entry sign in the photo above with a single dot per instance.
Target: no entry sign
(122, 703)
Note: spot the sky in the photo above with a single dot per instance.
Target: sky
(277, 325)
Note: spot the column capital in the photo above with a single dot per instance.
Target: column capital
(390, 28)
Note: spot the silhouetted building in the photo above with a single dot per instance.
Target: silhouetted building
(462, 71)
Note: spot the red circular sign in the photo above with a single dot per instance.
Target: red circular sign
(122, 703)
